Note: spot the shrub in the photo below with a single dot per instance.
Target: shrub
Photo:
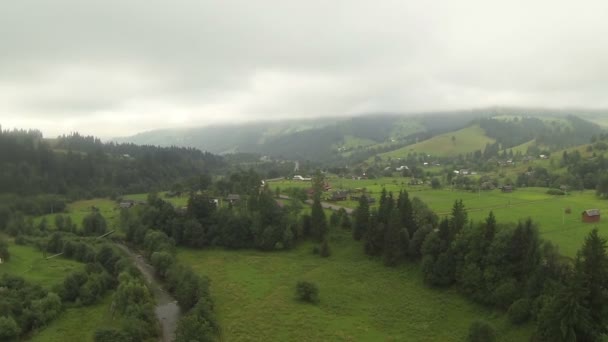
(8, 328)
(481, 331)
(556, 192)
(307, 292)
(519, 311)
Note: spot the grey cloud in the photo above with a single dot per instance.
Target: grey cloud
(121, 66)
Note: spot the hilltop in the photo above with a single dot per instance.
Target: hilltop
(350, 141)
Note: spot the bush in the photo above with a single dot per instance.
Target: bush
(8, 328)
(556, 192)
(481, 331)
(307, 292)
(519, 311)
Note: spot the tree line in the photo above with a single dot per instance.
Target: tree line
(27, 307)
(79, 167)
(505, 266)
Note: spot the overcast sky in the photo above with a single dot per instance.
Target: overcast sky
(117, 67)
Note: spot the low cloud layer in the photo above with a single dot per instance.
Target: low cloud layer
(118, 67)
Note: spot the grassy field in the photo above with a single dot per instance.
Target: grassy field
(27, 262)
(565, 230)
(360, 299)
(108, 208)
(466, 140)
(78, 324)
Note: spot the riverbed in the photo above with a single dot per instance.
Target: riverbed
(167, 310)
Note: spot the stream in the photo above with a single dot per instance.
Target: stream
(167, 310)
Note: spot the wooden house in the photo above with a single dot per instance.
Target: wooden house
(591, 215)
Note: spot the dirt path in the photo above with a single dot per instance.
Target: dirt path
(167, 311)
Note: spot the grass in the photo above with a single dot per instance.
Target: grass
(28, 263)
(466, 140)
(360, 299)
(79, 323)
(108, 208)
(565, 230)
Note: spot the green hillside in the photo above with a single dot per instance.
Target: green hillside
(465, 140)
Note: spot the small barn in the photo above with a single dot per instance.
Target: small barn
(591, 215)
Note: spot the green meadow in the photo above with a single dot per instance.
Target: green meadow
(28, 263)
(466, 140)
(360, 299)
(78, 323)
(548, 211)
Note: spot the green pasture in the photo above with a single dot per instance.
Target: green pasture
(548, 211)
(108, 208)
(28, 263)
(360, 299)
(79, 323)
(465, 140)
(177, 201)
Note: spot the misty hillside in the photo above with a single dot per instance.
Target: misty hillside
(359, 138)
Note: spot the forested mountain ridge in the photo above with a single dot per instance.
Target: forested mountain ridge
(350, 141)
(80, 166)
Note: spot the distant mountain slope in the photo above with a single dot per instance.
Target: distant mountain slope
(465, 140)
(342, 141)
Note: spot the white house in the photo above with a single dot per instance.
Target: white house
(300, 178)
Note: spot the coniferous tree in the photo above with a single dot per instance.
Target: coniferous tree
(393, 250)
(362, 216)
(374, 237)
(406, 213)
(459, 218)
(592, 264)
(318, 222)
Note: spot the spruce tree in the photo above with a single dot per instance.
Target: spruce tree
(361, 225)
(317, 220)
(406, 213)
(592, 263)
(459, 218)
(393, 250)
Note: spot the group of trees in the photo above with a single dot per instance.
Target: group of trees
(500, 265)
(26, 307)
(254, 221)
(77, 166)
(396, 229)
(190, 289)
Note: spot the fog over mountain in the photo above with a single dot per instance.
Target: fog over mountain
(115, 68)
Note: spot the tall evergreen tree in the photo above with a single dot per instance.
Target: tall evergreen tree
(394, 248)
(459, 218)
(406, 212)
(592, 263)
(374, 238)
(361, 225)
(318, 221)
